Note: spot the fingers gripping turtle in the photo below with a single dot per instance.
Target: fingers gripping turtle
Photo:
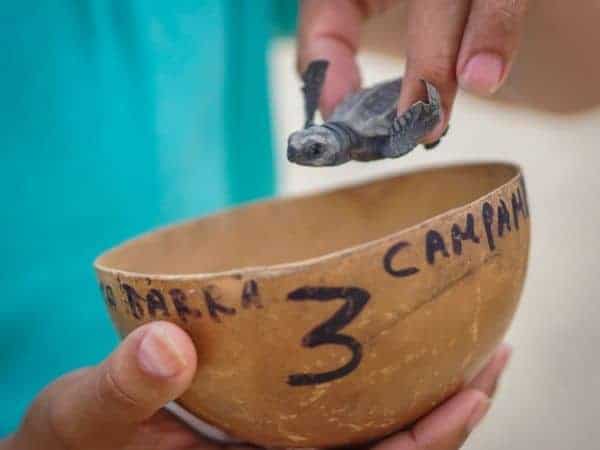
(364, 126)
(409, 128)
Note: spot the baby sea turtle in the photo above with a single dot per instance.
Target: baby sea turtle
(364, 126)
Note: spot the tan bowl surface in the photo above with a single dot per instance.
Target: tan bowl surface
(334, 318)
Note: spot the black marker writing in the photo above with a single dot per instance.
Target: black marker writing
(503, 218)
(518, 206)
(156, 302)
(134, 301)
(524, 198)
(181, 307)
(389, 258)
(214, 307)
(458, 235)
(434, 242)
(108, 294)
(327, 332)
(250, 295)
(488, 220)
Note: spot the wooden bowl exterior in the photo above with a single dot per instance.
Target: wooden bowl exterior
(347, 347)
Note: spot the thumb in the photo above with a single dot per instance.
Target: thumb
(100, 408)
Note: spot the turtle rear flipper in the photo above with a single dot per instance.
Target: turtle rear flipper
(313, 78)
(409, 128)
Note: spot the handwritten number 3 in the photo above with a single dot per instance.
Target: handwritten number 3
(327, 332)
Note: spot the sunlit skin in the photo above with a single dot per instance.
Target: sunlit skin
(448, 42)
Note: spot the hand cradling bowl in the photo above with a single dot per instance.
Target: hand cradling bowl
(339, 317)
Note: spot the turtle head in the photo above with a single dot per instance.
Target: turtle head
(316, 146)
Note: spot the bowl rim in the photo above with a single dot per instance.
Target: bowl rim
(272, 270)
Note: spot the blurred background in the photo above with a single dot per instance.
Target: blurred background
(120, 116)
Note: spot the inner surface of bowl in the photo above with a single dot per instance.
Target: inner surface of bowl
(279, 231)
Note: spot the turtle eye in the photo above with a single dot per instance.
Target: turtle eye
(315, 149)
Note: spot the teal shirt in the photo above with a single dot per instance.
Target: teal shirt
(116, 117)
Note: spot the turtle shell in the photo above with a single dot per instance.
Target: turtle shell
(370, 111)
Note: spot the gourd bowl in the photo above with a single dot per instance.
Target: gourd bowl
(338, 317)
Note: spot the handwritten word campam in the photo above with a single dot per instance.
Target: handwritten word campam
(497, 222)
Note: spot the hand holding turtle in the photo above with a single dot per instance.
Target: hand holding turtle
(449, 42)
(365, 126)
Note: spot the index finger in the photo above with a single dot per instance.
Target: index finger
(486, 380)
(435, 29)
(331, 30)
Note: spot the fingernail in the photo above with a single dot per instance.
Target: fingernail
(158, 355)
(483, 73)
(503, 356)
(478, 413)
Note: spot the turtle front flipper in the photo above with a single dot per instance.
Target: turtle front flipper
(409, 128)
(313, 78)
